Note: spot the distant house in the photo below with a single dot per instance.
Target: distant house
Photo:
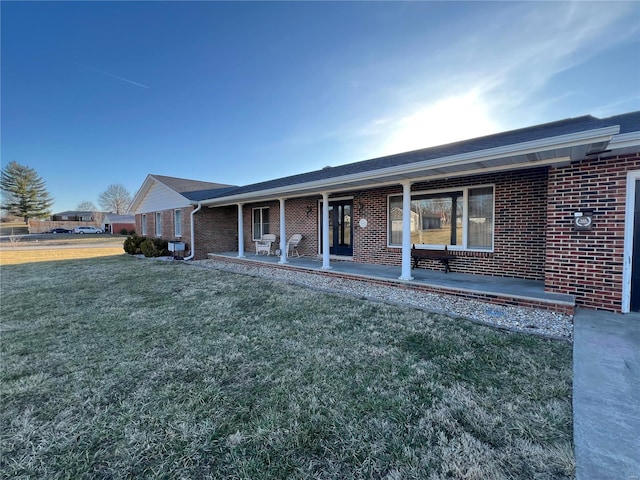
(68, 219)
(115, 224)
(163, 206)
(73, 216)
(555, 204)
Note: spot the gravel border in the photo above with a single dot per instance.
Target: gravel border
(522, 319)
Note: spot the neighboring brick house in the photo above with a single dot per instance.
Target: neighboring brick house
(163, 206)
(553, 203)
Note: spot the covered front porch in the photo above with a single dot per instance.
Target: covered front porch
(490, 289)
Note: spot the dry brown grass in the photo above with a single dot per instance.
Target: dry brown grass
(10, 256)
(46, 248)
(124, 368)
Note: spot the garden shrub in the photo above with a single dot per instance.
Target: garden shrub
(154, 247)
(148, 248)
(124, 231)
(132, 244)
(162, 246)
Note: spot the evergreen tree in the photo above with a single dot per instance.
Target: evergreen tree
(24, 191)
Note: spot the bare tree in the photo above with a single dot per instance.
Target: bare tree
(98, 219)
(87, 206)
(115, 199)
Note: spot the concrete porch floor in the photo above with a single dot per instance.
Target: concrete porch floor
(510, 290)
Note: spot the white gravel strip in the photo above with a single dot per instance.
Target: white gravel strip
(522, 319)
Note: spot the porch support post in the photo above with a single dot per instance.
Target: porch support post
(240, 232)
(325, 231)
(406, 232)
(283, 233)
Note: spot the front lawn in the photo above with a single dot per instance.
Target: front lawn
(126, 368)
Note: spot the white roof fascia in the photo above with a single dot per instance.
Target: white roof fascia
(142, 191)
(558, 142)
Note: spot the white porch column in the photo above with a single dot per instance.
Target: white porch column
(326, 265)
(240, 232)
(283, 233)
(406, 232)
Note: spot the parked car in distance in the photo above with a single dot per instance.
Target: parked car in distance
(60, 230)
(87, 230)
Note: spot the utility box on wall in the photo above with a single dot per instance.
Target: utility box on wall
(176, 246)
(177, 249)
(583, 220)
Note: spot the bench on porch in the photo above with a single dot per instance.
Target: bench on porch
(418, 254)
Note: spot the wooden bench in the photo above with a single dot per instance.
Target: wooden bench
(418, 254)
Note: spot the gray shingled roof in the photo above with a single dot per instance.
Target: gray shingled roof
(629, 122)
(193, 190)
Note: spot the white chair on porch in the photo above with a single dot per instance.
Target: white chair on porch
(292, 244)
(264, 244)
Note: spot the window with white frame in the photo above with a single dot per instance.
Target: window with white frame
(177, 223)
(143, 225)
(460, 218)
(158, 224)
(260, 222)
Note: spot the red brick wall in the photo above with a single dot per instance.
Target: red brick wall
(216, 230)
(167, 225)
(520, 225)
(301, 217)
(168, 230)
(588, 264)
(370, 243)
(247, 216)
(150, 221)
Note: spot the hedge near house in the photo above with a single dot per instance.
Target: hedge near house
(149, 247)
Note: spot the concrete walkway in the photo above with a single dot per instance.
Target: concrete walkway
(606, 395)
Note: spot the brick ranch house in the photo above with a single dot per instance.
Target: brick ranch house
(163, 207)
(554, 203)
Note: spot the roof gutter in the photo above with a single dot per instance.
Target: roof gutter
(193, 240)
(562, 141)
(624, 140)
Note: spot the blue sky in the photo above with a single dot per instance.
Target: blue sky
(97, 93)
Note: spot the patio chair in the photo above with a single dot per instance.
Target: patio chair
(264, 244)
(292, 244)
